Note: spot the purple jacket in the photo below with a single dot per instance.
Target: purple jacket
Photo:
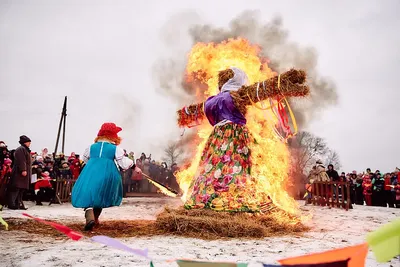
(221, 107)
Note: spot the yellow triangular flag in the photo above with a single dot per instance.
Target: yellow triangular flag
(385, 242)
(4, 223)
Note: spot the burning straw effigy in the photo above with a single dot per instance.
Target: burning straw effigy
(269, 220)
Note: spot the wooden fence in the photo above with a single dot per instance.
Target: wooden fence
(331, 194)
(64, 187)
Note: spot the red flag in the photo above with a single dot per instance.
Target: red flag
(59, 227)
(356, 254)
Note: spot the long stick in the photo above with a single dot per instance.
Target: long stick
(165, 190)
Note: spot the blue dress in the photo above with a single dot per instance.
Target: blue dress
(100, 183)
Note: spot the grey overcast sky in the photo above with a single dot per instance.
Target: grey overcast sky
(101, 53)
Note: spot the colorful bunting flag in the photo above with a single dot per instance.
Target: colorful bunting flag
(114, 243)
(356, 254)
(385, 242)
(188, 263)
(4, 223)
(327, 264)
(59, 227)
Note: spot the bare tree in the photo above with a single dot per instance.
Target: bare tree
(305, 149)
(333, 158)
(172, 153)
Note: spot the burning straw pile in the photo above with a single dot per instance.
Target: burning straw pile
(288, 84)
(208, 224)
(203, 223)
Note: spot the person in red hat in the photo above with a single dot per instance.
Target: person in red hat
(100, 184)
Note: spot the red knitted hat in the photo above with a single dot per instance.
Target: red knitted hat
(109, 130)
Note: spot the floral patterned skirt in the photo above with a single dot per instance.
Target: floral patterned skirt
(224, 182)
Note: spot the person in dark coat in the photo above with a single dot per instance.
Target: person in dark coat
(378, 190)
(359, 190)
(332, 173)
(334, 177)
(21, 174)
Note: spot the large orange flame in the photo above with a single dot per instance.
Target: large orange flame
(270, 156)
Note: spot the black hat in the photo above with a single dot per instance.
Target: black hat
(24, 139)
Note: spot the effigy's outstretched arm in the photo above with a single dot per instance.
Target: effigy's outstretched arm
(288, 84)
(191, 115)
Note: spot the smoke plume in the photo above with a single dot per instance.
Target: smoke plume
(271, 36)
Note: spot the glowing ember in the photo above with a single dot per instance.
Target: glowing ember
(270, 157)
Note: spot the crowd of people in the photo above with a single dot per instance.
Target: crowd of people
(40, 179)
(158, 171)
(369, 188)
(47, 167)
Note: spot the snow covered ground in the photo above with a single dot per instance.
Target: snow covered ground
(331, 228)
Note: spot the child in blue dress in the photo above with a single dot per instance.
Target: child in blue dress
(100, 184)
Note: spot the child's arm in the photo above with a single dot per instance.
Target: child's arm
(122, 161)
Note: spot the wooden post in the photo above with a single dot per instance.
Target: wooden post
(63, 120)
(322, 194)
(64, 124)
(58, 188)
(314, 192)
(342, 189)
(337, 194)
(348, 205)
(332, 186)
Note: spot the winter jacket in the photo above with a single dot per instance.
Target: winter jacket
(378, 183)
(367, 186)
(387, 184)
(136, 176)
(5, 174)
(22, 162)
(75, 168)
(333, 175)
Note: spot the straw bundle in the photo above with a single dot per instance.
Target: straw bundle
(291, 85)
(191, 115)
